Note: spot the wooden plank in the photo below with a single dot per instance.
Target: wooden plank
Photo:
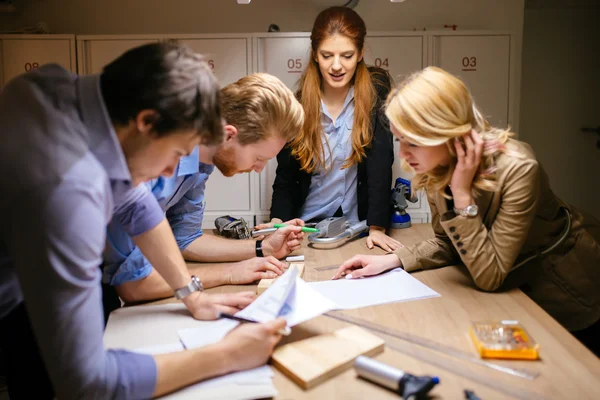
(265, 283)
(311, 361)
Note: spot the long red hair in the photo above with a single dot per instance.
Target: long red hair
(307, 146)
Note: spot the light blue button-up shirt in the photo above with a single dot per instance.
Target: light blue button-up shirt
(64, 173)
(332, 187)
(181, 197)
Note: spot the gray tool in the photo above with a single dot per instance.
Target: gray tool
(266, 231)
(337, 230)
(406, 385)
(400, 194)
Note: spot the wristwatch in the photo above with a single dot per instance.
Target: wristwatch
(194, 286)
(469, 211)
(258, 249)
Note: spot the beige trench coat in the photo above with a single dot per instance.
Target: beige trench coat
(520, 219)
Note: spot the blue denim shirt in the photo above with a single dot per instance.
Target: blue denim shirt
(182, 198)
(331, 186)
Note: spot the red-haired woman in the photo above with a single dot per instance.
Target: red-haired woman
(341, 162)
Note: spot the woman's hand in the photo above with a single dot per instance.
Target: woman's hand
(377, 237)
(469, 158)
(362, 265)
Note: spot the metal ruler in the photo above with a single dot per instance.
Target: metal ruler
(326, 268)
(432, 345)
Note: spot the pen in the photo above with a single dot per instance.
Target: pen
(284, 332)
(304, 228)
(267, 231)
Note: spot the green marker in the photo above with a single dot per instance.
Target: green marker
(304, 228)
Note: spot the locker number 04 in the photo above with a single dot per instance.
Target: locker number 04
(30, 66)
(382, 63)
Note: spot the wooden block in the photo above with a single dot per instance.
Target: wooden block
(312, 361)
(265, 283)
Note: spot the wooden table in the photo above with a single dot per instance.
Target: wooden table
(567, 369)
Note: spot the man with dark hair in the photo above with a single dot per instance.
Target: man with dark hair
(74, 150)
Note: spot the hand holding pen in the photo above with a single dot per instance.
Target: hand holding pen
(285, 331)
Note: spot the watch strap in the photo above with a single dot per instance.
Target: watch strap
(258, 249)
(194, 286)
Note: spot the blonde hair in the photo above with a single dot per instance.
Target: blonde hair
(260, 106)
(432, 107)
(307, 147)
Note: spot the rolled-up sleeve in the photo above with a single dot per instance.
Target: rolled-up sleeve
(59, 246)
(185, 217)
(137, 211)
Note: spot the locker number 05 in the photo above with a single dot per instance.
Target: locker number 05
(294, 65)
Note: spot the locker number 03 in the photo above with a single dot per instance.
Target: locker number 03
(469, 62)
(31, 66)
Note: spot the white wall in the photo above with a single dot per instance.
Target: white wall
(208, 16)
(560, 92)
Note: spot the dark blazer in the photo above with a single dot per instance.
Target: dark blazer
(374, 175)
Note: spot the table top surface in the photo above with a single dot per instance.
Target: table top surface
(566, 368)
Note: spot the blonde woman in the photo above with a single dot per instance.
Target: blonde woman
(492, 207)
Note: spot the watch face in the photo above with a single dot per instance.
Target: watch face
(471, 210)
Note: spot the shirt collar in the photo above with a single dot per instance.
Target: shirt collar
(189, 164)
(103, 140)
(347, 100)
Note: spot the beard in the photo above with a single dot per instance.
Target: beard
(224, 160)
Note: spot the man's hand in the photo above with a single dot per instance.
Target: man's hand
(251, 345)
(283, 241)
(255, 269)
(205, 306)
(295, 221)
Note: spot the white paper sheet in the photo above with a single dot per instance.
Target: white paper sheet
(394, 286)
(252, 384)
(304, 303)
(269, 304)
(205, 333)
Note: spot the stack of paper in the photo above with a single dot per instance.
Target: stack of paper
(391, 287)
(256, 383)
(297, 301)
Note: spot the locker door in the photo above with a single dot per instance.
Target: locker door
(96, 53)
(22, 54)
(483, 62)
(229, 59)
(401, 56)
(286, 58)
